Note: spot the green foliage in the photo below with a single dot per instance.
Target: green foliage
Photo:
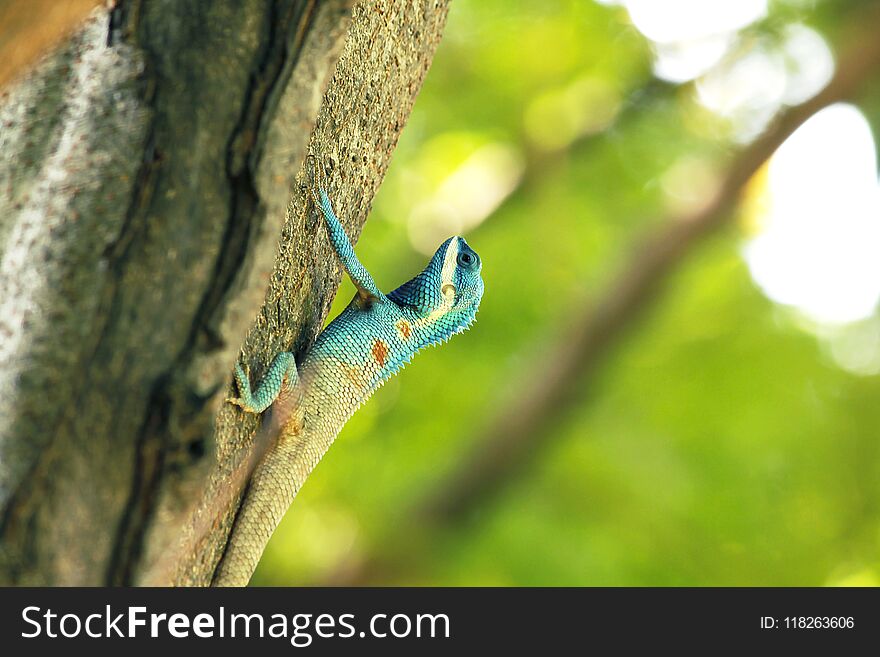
(718, 445)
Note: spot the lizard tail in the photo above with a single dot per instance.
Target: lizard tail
(268, 495)
(287, 448)
(276, 480)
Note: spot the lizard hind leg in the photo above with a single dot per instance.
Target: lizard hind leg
(281, 377)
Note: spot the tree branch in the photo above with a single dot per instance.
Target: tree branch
(387, 54)
(146, 172)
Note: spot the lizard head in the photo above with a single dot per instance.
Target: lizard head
(446, 295)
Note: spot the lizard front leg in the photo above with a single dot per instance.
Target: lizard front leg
(358, 274)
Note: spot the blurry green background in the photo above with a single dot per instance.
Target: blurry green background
(731, 436)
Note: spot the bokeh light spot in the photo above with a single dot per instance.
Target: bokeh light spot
(820, 230)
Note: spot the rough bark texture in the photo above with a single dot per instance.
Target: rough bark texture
(145, 169)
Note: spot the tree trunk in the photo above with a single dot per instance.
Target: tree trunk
(145, 170)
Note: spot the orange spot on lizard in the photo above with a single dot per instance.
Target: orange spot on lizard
(404, 328)
(380, 352)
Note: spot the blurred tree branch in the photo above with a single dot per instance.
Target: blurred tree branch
(516, 433)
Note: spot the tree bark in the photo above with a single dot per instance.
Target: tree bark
(148, 170)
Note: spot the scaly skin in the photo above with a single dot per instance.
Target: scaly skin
(363, 347)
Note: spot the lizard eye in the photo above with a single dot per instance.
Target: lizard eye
(466, 259)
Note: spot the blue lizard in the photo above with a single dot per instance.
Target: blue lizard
(372, 339)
